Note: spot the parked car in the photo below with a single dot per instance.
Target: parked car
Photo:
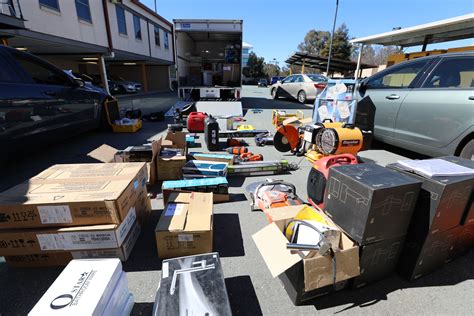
(121, 86)
(89, 81)
(39, 103)
(425, 105)
(274, 79)
(262, 83)
(302, 87)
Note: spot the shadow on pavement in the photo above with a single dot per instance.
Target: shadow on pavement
(452, 273)
(242, 297)
(141, 309)
(227, 239)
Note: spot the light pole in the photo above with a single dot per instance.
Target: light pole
(332, 36)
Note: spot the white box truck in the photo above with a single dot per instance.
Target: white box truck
(209, 64)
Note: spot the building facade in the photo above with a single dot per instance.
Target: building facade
(246, 49)
(107, 37)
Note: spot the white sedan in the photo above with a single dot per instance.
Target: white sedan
(302, 87)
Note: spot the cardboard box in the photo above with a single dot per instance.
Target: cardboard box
(63, 258)
(185, 227)
(75, 195)
(83, 288)
(423, 254)
(39, 260)
(369, 202)
(106, 153)
(378, 260)
(306, 274)
(443, 201)
(34, 241)
(171, 168)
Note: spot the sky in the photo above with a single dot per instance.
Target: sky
(275, 28)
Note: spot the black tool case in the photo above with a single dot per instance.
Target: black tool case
(192, 285)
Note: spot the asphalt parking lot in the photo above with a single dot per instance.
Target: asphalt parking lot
(251, 288)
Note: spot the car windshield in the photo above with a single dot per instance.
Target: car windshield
(317, 78)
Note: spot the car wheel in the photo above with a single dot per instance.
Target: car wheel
(302, 97)
(274, 93)
(468, 150)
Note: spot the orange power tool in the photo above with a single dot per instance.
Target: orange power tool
(237, 150)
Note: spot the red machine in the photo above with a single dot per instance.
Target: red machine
(196, 122)
(318, 176)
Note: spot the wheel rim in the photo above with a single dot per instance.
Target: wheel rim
(273, 92)
(301, 97)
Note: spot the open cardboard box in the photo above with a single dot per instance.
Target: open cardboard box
(185, 226)
(171, 168)
(106, 153)
(308, 276)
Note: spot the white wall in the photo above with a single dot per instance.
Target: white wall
(129, 43)
(65, 23)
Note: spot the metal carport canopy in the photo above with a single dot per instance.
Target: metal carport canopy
(319, 62)
(457, 28)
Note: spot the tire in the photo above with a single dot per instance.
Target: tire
(468, 150)
(301, 96)
(274, 93)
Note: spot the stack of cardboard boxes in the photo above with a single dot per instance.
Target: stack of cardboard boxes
(373, 205)
(74, 211)
(442, 225)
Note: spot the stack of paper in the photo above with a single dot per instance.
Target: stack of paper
(436, 168)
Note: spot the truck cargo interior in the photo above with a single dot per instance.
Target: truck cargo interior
(209, 59)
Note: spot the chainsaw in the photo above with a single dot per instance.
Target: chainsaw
(271, 194)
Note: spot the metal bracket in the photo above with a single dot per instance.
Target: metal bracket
(202, 266)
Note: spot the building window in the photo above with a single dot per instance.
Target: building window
(83, 10)
(122, 23)
(137, 27)
(167, 45)
(245, 51)
(50, 4)
(157, 36)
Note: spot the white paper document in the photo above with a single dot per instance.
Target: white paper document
(436, 167)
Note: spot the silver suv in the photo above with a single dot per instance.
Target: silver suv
(425, 105)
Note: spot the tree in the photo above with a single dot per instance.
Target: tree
(341, 48)
(375, 55)
(254, 67)
(271, 70)
(314, 42)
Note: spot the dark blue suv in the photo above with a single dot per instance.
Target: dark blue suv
(39, 103)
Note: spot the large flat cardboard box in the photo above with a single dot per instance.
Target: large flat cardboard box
(310, 274)
(185, 227)
(443, 201)
(63, 258)
(107, 154)
(75, 195)
(45, 240)
(370, 202)
(39, 260)
(171, 168)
